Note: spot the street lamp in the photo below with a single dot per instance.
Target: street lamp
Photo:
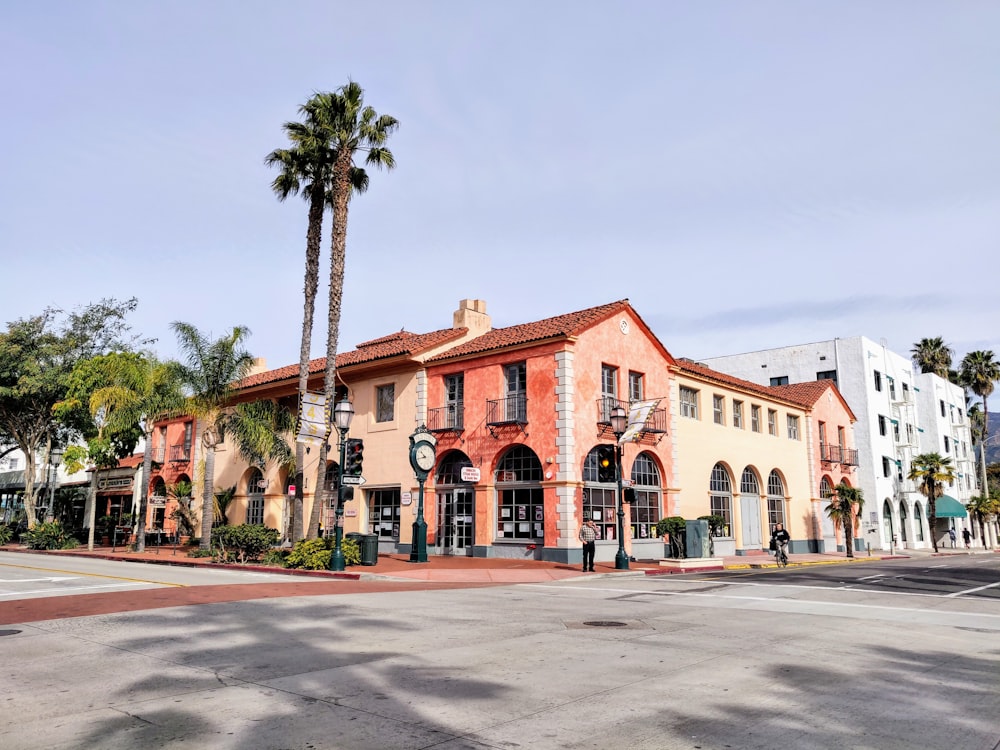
(343, 413)
(55, 459)
(619, 423)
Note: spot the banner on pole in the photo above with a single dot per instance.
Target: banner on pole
(312, 419)
(638, 413)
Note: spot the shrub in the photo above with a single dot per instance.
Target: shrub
(48, 536)
(201, 553)
(6, 533)
(315, 554)
(276, 558)
(674, 526)
(243, 543)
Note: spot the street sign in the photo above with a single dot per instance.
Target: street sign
(354, 480)
(470, 474)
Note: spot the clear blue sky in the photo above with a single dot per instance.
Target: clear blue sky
(749, 174)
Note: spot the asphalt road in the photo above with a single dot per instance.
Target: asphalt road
(883, 656)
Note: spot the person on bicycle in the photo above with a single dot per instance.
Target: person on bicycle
(780, 539)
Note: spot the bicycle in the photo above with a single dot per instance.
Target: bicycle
(780, 557)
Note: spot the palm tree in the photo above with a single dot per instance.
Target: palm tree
(211, 369)
(932, 470)
(845, 504)
(305, 167)
(982, 509)
(353, 127)
(979, 371)
(140, 391)
(932, 355)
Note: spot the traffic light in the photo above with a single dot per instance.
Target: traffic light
(354, 450)
(347, 494)
(606, 468)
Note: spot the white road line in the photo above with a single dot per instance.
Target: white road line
(36, 580)
(943, 565)
(972, 591)
(868, 578)
(54, 591)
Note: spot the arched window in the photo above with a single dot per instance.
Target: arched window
(520, 499)
(599, 501)
(887, 520)
(902, 521)
(721, 503)
(450, 468)
(918, 521)
(775, 499)
(748, 483)
(159, 487)
(255, 496)
(646, 505)
(825, 489)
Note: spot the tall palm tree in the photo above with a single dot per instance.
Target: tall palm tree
(932, 470)
(983, 509)
(353, 128)
(305, 167)
(210, 370)
(845, 505)
(932, 355)
(140, 391)
(979, 371)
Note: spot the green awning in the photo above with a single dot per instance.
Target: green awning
(948, 507)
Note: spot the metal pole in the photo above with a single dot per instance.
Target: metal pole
(337, 558)
(621, 559)
(418, 548)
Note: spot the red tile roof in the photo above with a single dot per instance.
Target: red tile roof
(398, 344)
(570, 324)
(698, 370)
(811, 391)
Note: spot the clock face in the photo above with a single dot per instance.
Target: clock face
(423, 454)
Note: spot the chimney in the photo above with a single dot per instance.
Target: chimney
(471, 314)
(259, 366)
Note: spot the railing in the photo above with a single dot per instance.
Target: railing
(180, 453)
(605, 404)
(829, 453)
(160, 453)
(450, 418)
(510, 410)
(656, 422)
(850, 457)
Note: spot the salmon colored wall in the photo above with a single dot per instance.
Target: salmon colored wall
(172, 471)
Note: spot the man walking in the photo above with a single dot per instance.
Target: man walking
(588, 535)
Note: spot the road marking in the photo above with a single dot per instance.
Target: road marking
(868, 578)
(57, 592)
(36, 580)
(78, 574)
(972, 591)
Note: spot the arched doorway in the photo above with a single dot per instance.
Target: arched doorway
(775, 501)
(456, 502)
(887, 525)
(720, 489)
(520, 498)
(750, 509)
(256, 484)
(599, 501)
(902, 521)
(827, 527)
(918, 522)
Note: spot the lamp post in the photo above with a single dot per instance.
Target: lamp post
(343, 413)
(619, 423)
(55, 459)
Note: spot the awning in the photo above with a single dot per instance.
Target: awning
(948, 507)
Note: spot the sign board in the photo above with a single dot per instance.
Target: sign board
(291, 489)
(117, 482)
(638, 413)
(351, 512)
(312, 419)
(406, 498)
(470, 474)
(354, 480)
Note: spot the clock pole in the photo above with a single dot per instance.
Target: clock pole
(418, 548)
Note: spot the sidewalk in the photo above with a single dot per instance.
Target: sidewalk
(477, 569)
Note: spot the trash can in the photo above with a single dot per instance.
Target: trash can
(369, 549)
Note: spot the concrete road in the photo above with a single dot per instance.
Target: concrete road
(743, 660)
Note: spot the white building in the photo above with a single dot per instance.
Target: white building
(901, 413)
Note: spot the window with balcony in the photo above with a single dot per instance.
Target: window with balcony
(454, 401)
(689, 402)
(609, 382)
(636, 387)
(516, 379)
(718, 409)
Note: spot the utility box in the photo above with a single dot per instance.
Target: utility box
(697, 540)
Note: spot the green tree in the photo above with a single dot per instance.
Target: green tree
(983, 509)
(210, 370)
(352, 127)
(845, 506)
(140, 391)
(931, 471)
(37, 358)
(979, 371)
(932, 355)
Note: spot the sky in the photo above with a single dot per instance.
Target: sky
(748, 174)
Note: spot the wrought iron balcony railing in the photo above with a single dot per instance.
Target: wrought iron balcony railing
(829, 453)
(655, 424)
(450, 418)
(179, 453)
(849, 456)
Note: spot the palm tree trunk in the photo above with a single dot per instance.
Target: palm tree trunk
(338, 251)
(932, 512)
(207, 500)
(849, 532)
(313, 239)
(982, 449)
(147, 469)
